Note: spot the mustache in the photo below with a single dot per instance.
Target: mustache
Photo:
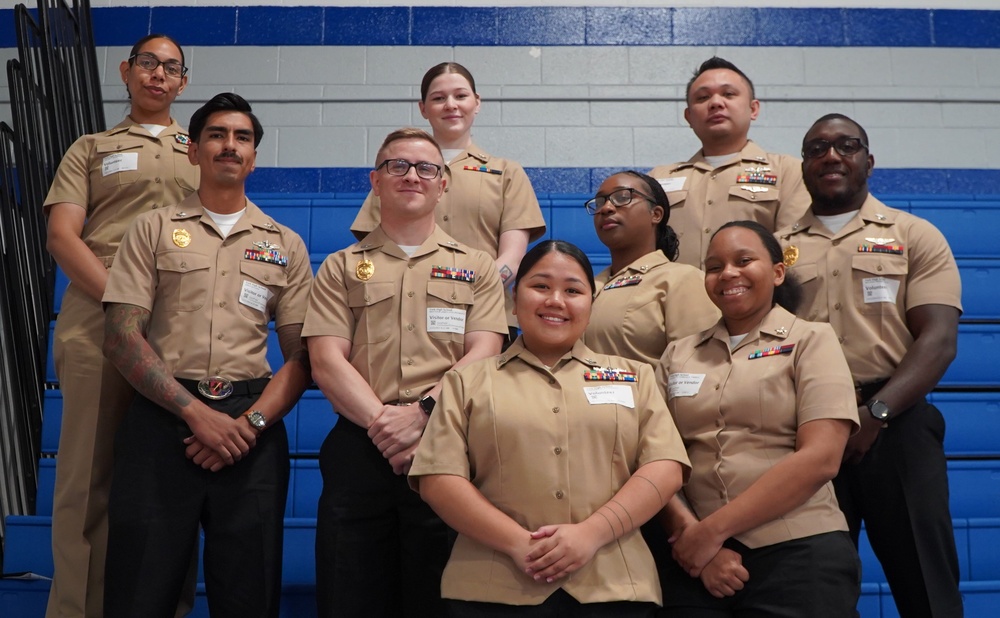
(229, 156)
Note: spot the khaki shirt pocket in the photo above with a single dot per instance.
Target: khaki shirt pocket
(114, 153)
(762, 204)
(448, 294)
(373, 308)
(270, 276)
(878, 279)
(184, 280)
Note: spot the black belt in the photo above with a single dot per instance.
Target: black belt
(865, 392)
(241, 388)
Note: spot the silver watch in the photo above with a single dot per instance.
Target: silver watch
(256, 419)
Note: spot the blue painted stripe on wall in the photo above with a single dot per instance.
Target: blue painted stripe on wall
(586, 180)
(505, 26)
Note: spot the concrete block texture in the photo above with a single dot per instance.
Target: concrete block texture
(322, 147)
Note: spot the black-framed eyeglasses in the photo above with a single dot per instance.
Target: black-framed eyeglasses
(845, 147)
(401, 167)
(619, 198)
(149, 62)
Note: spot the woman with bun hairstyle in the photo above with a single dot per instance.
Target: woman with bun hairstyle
(488, 202)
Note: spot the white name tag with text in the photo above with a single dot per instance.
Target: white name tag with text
(618, 394)
(255, 296)
(672, 184)
(684, 384)
(120, 162)
(880, 290)
(445, 320)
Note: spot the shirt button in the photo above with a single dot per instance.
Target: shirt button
(219, 336)
(840, 339)
(410, 294)
(410, 266)
(722, 494)
(157, 180)
(560, 494)
(713, 176)
(836, 272)
(708, 230)
(837, 306)
(835, 243)
(368, 298)
(184, 264)
(157, 156)
(222, 304)
(454, 296)
(407, 392)
(409, 361)
(879, 268)
(718, 422)
(445, 217)
(555, 410)
(552, 380)
(409, 327)
(223, 273)
(710, 202)
(557, 450)
(267, 277)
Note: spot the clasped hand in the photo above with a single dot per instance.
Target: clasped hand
(396, 432)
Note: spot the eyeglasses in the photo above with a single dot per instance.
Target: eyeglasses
(149, 62)
(401, 167)
(845, 146)
(619, 198)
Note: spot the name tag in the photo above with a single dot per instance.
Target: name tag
(255, 296)
(880, 290)
(120, 162)
(672, 184)
(684, 384)
(618, 394)
(445, 320)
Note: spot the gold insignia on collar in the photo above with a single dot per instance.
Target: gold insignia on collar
(881, 241)
(365, 269)
(790, 256)
(182, 238)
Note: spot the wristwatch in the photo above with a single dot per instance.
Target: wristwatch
(878, 409)
(427, 404)
(256, 419)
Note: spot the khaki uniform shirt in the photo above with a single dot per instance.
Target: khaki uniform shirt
(533, 444)
(650, 303)
(406, 323)
(120, 173)
(865, 294)
(757, 185)
(739, 411)
(211, 299)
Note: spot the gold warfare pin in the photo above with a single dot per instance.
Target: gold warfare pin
(182, 238)
(790, 256)
(364, 270)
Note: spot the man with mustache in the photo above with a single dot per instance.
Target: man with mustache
(188, 303)
(731, 177)
(888, 284)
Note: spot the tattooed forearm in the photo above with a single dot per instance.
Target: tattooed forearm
(126, 347)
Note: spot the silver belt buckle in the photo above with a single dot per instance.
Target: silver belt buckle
(215, 387)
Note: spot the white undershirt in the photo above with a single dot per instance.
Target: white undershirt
(717, 160)
(449, 154)
(735, 340)
(409, 250)
(154, 129)
(225, 222)
(835, 223)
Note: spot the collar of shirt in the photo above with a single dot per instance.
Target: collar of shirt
(751, 154)
(580, 353)
(192, 208)
(378, 241)
(777, 324)
(872, 212)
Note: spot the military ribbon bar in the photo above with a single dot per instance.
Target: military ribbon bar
(599, 374)
(759, 179)
(893, 249)
(482, 168)
(624, 282)
(271, 257)
(784, 349)
(456, 274)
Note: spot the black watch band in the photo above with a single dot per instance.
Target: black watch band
(878, 409)
(427, 404)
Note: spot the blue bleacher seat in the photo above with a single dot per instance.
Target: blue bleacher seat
(974, 488)
(46, 485)
(51, 420)
(571, 222)
(978, 357)
(972, 422)
(979, 294)
(23, 599)
(27, 543)
(295, 217)
(984, 543)
(330, 229)
(969, 226)
(50, 363)
(315, 420)
(870, 603)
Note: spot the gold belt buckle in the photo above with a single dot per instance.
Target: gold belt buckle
(215, 387)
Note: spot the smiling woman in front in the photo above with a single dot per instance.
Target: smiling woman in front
(765, 404)
(547, 459)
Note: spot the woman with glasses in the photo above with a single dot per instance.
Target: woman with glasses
(765, 404)
(546, 459)
(102, 183)
(644, 300)
(489, 203)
